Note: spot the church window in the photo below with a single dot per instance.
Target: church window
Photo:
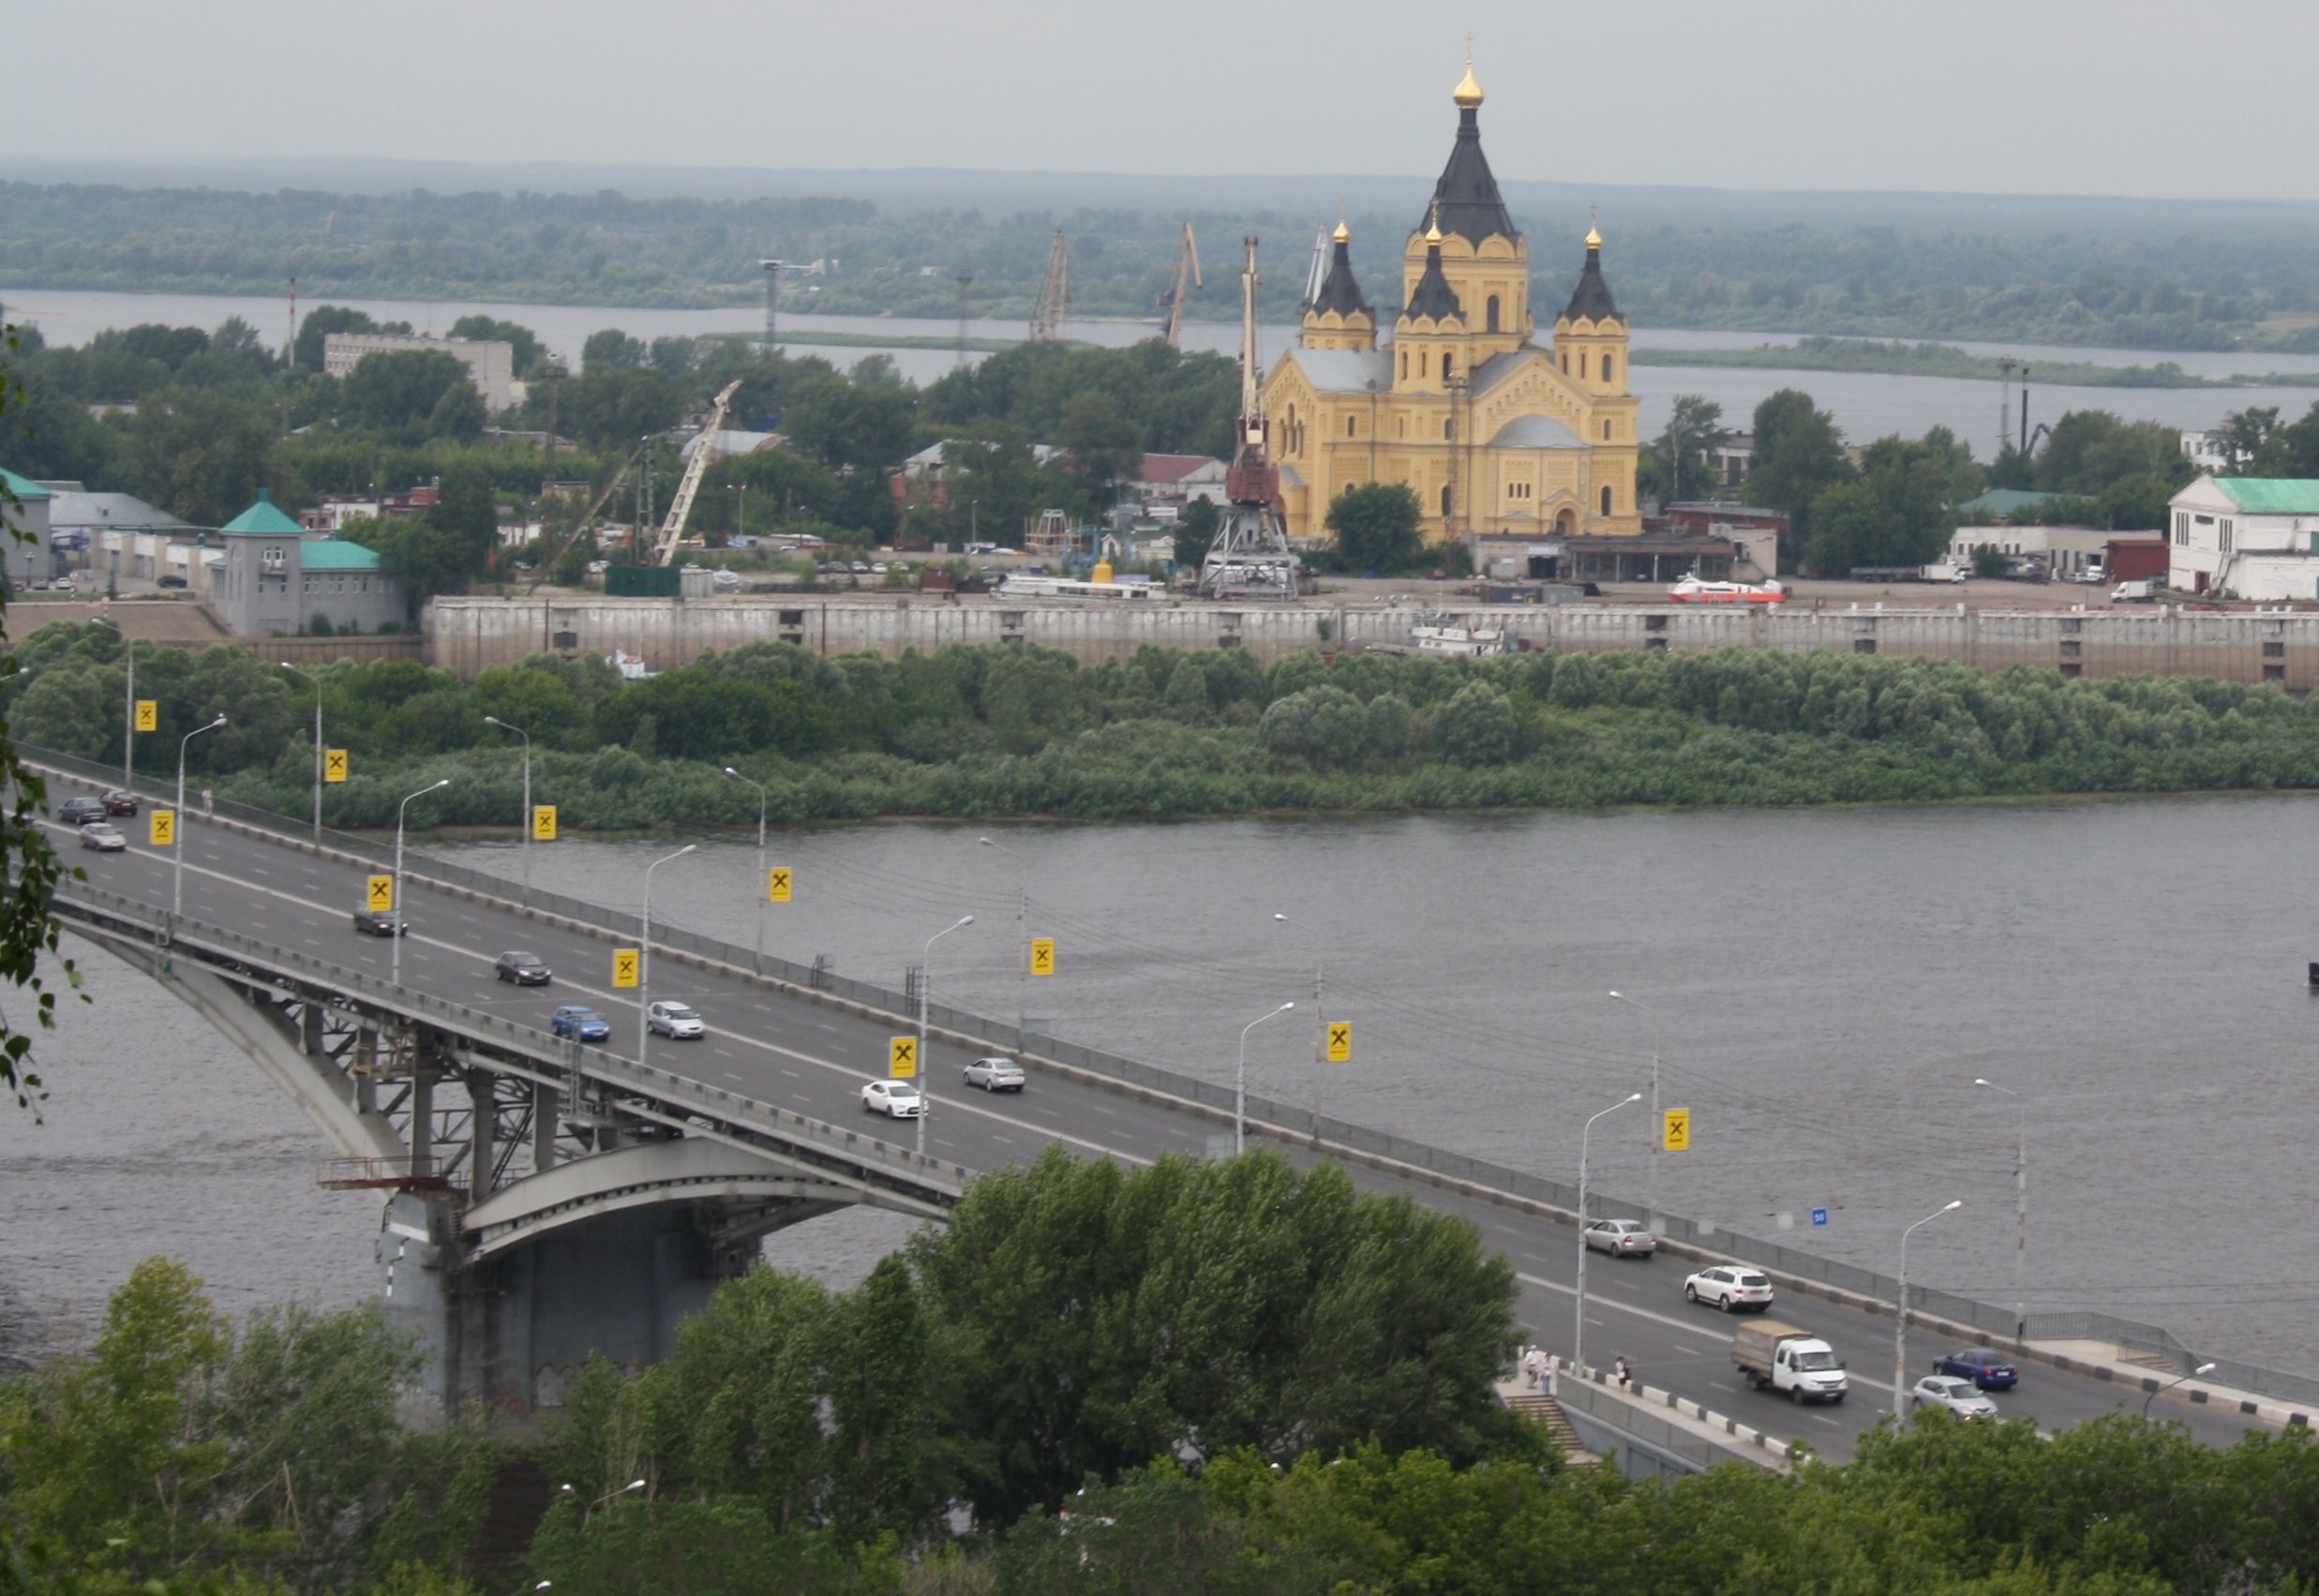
(1400, 426)
(1517, 490)
(1444, 500)
(1404, 365)
(1491, 310)
(1352, 426)
(1606, 368)
(1565, 363)
(1605, 502)
(1348, 487)
(1449, 426)
(1582, 362)
(1447, 373)
(1425, 363)
(1606, 432)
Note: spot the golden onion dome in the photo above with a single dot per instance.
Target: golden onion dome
(1469, 90)
(1593, 238)
(1343, 233)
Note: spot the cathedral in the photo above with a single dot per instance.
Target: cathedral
(1495, 433)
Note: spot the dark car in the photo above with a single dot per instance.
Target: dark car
(119, 801)
(524, 969)
(585, 1024)
(381, 922)
(80, 811)
(1989, 1369)
(171, 582)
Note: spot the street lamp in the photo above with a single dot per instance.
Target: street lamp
(1320, 1019)
(317, 684)
(1578, 1334)
(644, 958)
(741, 526)
(128, 706)
(2202, 1368)
(402, 921)
(178, 846)
(2021, 1205)
(1659, 1121)
(1021, 934)
(494, 721)
(1239, 1083)
(764, 883)
(925, 987)
(1900, 1318)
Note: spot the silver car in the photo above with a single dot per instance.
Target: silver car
(994, 1075)
(679, 1020)
(1622, 1238)
(1960, 1396)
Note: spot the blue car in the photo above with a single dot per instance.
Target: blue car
(584, 1023)
(1989, 1369)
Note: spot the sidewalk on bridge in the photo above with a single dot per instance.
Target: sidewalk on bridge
(2103, 1360)
(1678, 1413)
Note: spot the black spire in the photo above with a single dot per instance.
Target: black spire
(1340, 293)
(1590, 300)
(1467, 197)
(1433, 296)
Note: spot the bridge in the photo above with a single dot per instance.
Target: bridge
(546, 1201)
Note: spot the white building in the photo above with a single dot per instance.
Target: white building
(2210, 452)
(2064, 551)
(2252, 537)
(491, 362)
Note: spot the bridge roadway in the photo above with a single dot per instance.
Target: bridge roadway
(814, 1059)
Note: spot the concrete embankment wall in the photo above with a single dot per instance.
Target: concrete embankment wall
(469, 635)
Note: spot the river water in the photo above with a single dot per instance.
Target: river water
(1827, 985)
(1866, 406)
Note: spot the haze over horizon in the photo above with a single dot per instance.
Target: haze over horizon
(2068, 97)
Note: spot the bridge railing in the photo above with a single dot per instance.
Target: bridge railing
(1300, 1124)
(551, 1053)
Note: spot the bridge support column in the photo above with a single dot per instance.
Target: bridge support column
(544, 1112)
(422, 1120)
(481, 1148)
(367, 1070)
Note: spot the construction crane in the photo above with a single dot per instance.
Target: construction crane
(1250, 556)
(1187, 265)
(1054, 293)
(587, 518)
(1316, 273)
(704, 447)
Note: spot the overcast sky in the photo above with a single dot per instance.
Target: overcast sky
(2083, 96)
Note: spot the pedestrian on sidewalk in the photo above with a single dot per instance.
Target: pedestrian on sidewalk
(1623, 1371)
(1545, 1371)
(1530, 1366)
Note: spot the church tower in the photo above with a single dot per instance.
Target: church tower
(1339, 317)
(1465, 274)
(1589, 336)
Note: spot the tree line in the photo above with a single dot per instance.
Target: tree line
(983, 730)
(1227, 1376)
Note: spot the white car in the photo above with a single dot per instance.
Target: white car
(996, 1075)
(1622, 1238)
(1730, 1286)
(679, 1020)
(1960, 1396)
(896, 1099)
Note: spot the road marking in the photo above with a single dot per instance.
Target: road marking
(1593, 1300)
(1008, 1139)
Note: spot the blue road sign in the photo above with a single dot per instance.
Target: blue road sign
(1819, 1216)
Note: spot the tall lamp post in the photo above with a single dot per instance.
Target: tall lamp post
(402, 921)
(2202, 1368)
(1900, 1317)
(764, 883)
(1022, 936)
(1239, 1083)
(925, 989)
(128, 706)
(177, 847)
(2021, 1204)
(1578, 1334)
(1320, 980)
(494, 721)
(1659, 1121)
(316, 682)
(644, 959)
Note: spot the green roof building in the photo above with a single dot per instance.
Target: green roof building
(278, 581)
(2253, 538)
(25, 554)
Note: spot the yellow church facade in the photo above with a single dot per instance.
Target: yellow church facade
(1495, 433)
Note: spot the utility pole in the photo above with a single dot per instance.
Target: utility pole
(965, 281)
(772, 301)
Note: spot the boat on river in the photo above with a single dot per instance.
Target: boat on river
(1693, 590)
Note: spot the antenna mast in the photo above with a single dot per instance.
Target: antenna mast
(772, 301)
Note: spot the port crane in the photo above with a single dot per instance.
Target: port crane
(1187, 266)
(704, 447)
(1250, 556)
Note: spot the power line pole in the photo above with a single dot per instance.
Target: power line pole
(965, 281)
(772, 301)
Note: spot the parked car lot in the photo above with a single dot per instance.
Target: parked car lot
(1730, 1286)
(896, 1099)
(996, 1075)
(1622, 1238)
(1959, 1396)
(1987, 1368)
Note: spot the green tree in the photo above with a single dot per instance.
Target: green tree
(611, 349)
(1694, 430)
(1196, 533)
(1476, 727)
(1799, 456)
(200, 456)
(528, 354)
(323, 320)
(1376, 528)
(1103, 446)
(398, 391)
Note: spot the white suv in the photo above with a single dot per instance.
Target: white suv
(1728, 1286)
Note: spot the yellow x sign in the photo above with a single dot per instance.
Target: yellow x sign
(1042, 956)
(148, 715)
(1678, 1138)
(543, 823)
(1340, 1041)
(902, 1057)
(333, 764)
(381, 894)
(625, 962)
(164, 828)
(777, 883)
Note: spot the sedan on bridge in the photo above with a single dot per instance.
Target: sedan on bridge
(895, 1100)
(1621, 1238)
(80, 811)
(524, 969)
(381, 922)
(1957, 1395)
(580, 1022)
(1984, 1366)
(103, 838)
(680, 1022)
(120, 801)
(996, 1075)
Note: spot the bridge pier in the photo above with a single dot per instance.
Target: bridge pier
(482, 1120)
